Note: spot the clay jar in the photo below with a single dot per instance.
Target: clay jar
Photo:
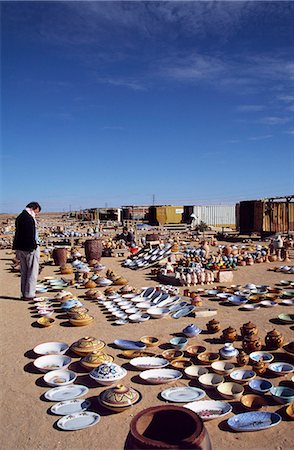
(274, 340)
(259, 367)
(227, 250)
(229, 334)
(242, 358)
(251, 343)
(248, 329)
(213, 326)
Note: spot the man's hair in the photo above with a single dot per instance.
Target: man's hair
(125, 229)
(34, 205)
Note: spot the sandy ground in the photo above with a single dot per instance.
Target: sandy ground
(26, 421)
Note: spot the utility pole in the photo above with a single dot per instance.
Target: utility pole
(153, 199)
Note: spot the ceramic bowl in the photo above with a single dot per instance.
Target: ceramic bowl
(194, 350)
(179, 343)
(230, 391)
(52, 362)
(290, 411)
(149, 362)
(253, 401)
(157, 313)
(129, 354)
(59, 377)
(108, 373)
(281, 368)
(242, 375)
(286, 318)
(194, 372)
(87, 344)
(210, 380)
(51, 348)
(150, 341)
(265, 356)
(222, 367)
(260, 386)
(180, 363)
(208, 357)
(282, 394)
(94, 359)
(172, 354)
(45, 312)
(46, 321)
(81, 322)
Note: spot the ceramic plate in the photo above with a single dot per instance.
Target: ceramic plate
(70, 407)
(210, 409)
(253, 421)
(78, 421)
(148, 362)
(237, 300)
(268, 303)
(183, 312)
(68, 392)
(182, 394)
(281, 368)
(286, 318)
(160, 376)
(129, 345)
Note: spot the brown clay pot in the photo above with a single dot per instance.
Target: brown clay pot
(242, 359)
(272, 258)
(259, 367)
(251, 343)
(229, 334)
(90, 284)
(213, 326)
(167, 427)
(248, 329)
(274, 340)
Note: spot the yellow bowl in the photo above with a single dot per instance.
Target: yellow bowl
(180, 363)
(208, 357)
(172, 354)
(194, 350)
(46, 321)
(253, 401)
(231, 391)
(81, 322)
(149, 341)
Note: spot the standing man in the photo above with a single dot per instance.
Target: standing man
(27, 249)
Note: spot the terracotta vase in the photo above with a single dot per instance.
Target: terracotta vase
(242, 359)
(251, 343)
(274, 340)
(167, 427)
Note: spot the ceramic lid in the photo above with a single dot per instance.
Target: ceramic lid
(96, 358)
(274, 333)
(108, 371)
(251, 337)
(87, 343)
(230, 330)
(119, 396)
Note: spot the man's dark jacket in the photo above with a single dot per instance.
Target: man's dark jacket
(25, 232)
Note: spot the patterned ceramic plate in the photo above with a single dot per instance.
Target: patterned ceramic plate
(254, 421)
(210, 409)
(70, 407)
(182, 394)
(78, 421)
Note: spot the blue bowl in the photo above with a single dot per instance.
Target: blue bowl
(179, 343)
(260, 385)
(282, 394)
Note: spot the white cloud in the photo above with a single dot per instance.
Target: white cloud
(260, 138)
(250, 108)
(273, 120)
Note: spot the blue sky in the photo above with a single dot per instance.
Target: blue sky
(112, 102)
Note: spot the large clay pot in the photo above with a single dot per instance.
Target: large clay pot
(167, 427)
(93, 249)
(251, 343)
(274, 340)
(59, 256)
(229, 334)
(248, 329)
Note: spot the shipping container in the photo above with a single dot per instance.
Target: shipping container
(135, 213)
(167, 214)
(212, 215)
(266, 216)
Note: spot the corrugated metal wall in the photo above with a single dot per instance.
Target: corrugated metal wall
(216, 215)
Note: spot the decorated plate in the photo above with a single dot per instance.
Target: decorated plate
(129, 345)
(148, 362)
(182, 394)
(183, 312)
(210, 409)
(68, 392)
(78, 421)
(254, 421)
(160, 376)
(70, 407)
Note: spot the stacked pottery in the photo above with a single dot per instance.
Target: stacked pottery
(228, 351)
(229, 334)
(274, 340)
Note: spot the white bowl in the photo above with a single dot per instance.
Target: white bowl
(149, 362)
(158, 313)
(222, 367)
(108, 373)
(52, 362)
(242, 375)
(210, 380)
(193, 372)
(281, 368)
(51, 348)
(59, 377)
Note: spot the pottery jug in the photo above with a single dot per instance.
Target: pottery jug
(259, 367)
(242, 358)
(228, 351)
(274, 340)
(251, 343)
(229, 334)
(213, 326)
(248, 329)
